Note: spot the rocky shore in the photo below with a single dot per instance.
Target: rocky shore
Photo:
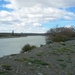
(51, 59)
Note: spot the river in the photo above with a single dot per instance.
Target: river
(14, 45)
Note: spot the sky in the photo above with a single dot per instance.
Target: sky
(35, 16)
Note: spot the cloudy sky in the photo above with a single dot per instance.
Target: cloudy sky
(35, 15)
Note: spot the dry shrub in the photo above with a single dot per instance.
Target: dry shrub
(60, 34)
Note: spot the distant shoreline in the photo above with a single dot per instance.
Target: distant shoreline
(12, 35)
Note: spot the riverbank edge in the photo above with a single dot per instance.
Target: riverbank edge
(59, 55)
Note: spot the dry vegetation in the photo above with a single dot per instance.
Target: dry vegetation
(60, 34)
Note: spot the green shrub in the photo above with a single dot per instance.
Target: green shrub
(60, 38)
(27, 47)
(41, 45)
(60, 34)
(2, 72)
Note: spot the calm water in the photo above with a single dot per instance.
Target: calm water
(14, 45)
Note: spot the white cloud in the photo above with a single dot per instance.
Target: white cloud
(9, 6)
(28, 15)
(48, 3)
(69, 26)
(37, 24)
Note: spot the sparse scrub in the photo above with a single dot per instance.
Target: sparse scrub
(1, 73)
(38, 62)
(40, 54)
(31, 60)
(63, 66)
(32, 69)
(54, 52)
(70, 74)
(60, 59)
(60, 34)
(61, 50)
(27, 47)
(49, 46)
(63, 43)
(19, 60)
(6, 67)
(69, 61)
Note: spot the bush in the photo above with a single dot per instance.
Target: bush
(27, 47)
(59, 38)
(41, 45)
(60, 34)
